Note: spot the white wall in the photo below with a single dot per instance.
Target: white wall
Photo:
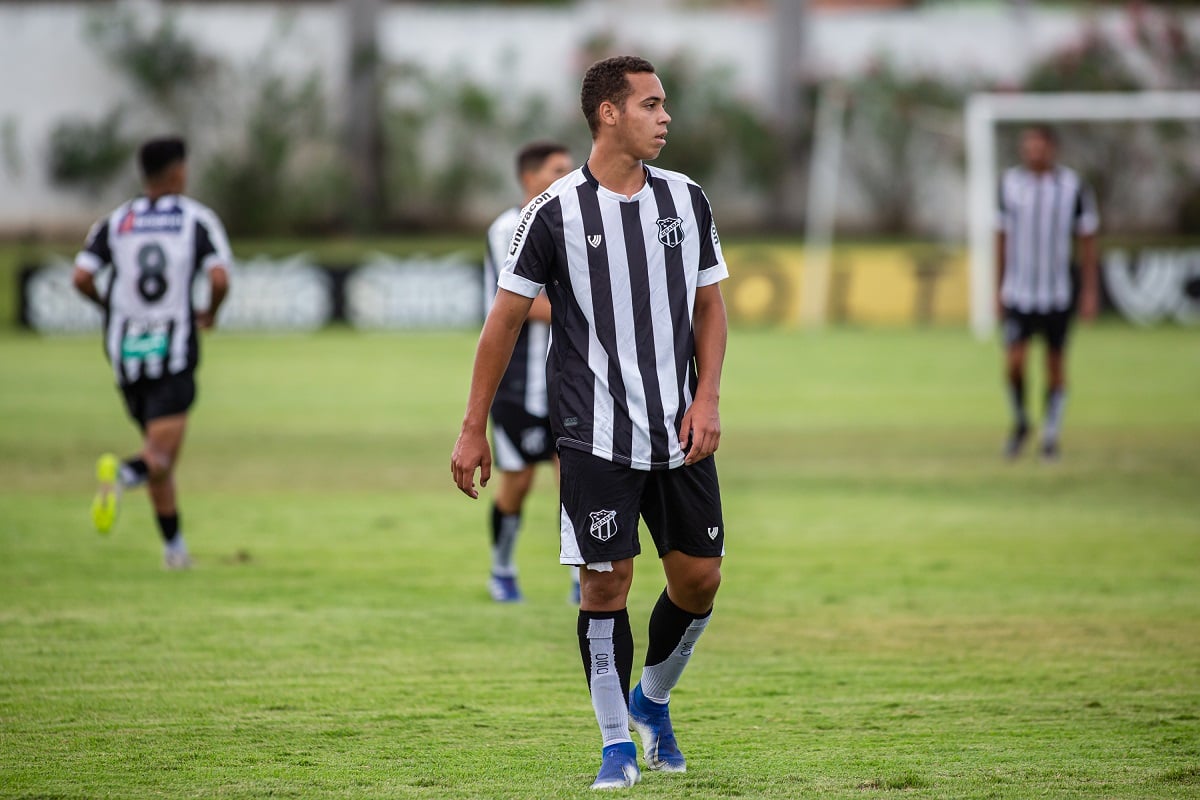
(49, 70)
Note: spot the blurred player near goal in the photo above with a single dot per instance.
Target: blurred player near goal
(629, 257)
(155, 245)
(521, 435)
(1044, 209)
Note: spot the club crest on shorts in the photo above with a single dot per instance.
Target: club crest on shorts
(604, 525)
(670, 231)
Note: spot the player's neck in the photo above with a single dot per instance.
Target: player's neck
(616, 171)
(154, 191)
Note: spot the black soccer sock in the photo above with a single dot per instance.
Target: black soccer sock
(505, 528)
(1016, 398)
(673, 636)
(168, 525)
(134, 472)
(606, 647)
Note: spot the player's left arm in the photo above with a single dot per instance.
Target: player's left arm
(214, 256)
(1089, 276)
(702, 421)
(1087, 225)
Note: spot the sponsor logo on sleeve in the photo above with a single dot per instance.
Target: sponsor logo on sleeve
(526, 220)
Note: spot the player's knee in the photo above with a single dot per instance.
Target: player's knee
(160, 464)
(706, 582)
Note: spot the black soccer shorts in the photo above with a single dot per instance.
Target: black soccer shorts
(1021, 326)
(602, 501)
(149, 400)
(519, 439)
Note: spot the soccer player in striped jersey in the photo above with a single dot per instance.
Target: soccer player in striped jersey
(1044, 208)
(521, 435)
(629, 257)
(155, 244)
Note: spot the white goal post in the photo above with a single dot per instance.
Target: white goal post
(984, 111)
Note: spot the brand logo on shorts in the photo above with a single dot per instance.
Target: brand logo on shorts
(712, 532)
(533, 440)
(594, 241)
(670, 231)
(604, 525)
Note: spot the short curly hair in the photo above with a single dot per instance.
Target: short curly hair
(605, 81)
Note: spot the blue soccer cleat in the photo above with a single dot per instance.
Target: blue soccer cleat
(652, 721)
(618, 769)
(504, 589)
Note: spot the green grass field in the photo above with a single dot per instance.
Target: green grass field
(903, 614)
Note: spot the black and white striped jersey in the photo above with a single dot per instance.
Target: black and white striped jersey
(1041, 214)
(524, 382)
(621, 274)
(156, 250)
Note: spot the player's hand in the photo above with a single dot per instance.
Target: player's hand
(471, 452)
(702, 428)
(205, 320)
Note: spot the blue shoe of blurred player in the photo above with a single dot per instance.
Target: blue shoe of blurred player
(573, 597)
(618, 767)
(652, 721)
(108, 493)
(504, 589)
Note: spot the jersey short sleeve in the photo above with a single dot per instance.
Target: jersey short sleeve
(531, 252)
(1002, 206)
(96, 252)
(712, 261)
(212, 245)
(1087, 215)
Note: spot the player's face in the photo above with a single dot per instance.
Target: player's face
(1037, 152)
(643, 120)
(554, 167)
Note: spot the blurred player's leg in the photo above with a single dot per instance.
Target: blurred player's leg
(506, 528)
(1056, 400)
(1017, 341)
(164, 440)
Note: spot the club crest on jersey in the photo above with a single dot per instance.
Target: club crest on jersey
(670, 231)
(594, 240)
(604, 525)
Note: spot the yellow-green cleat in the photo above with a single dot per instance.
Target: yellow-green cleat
(108, 493)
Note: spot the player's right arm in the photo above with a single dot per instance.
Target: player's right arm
(496, 343)
(523, 277)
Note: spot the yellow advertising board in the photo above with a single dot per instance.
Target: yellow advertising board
(869, 284)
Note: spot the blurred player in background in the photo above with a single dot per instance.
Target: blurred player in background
(155, 244)
(521, 435)
(629, 257)
(1044, 208)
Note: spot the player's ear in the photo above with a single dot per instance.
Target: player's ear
(607, 113)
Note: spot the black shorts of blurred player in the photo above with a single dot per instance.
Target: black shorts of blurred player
(520, 440)
(150, 400)
(602, 503)
(1054, 327)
